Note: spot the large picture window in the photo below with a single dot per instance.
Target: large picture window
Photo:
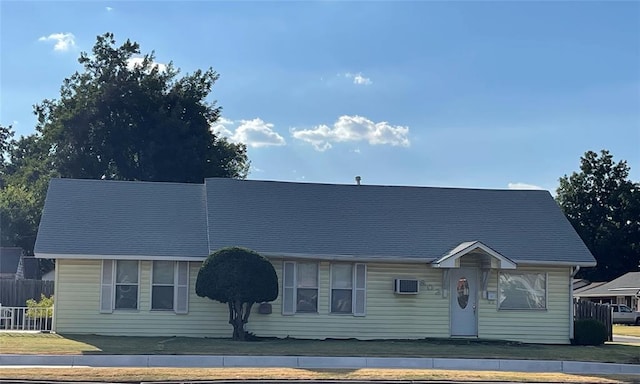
(522, 290)
(300, 287)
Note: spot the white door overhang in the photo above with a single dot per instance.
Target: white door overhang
(451, 259)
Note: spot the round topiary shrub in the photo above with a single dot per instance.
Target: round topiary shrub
(589, 332)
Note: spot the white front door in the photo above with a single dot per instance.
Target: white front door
(464, 301)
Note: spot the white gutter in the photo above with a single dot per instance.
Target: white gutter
(573, 273)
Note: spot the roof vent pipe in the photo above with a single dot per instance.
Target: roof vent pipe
(358, 178)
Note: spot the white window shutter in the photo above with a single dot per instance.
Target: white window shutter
(182, 288)
(106, 287)
(360, 290)
(288, 288)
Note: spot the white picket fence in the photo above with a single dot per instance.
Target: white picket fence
(26, 319)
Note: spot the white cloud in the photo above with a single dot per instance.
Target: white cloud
(354, 129)
(220, 127)
(255, 133)
(359, 79)
(109, 9)
(523, 186)
(63, 41)
(137, 62)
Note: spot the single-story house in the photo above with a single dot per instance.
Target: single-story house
(353, 261)
(622, 290)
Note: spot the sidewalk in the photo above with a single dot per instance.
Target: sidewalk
(626, 339)
(314, 362)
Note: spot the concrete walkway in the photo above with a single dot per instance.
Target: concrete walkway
(313, 362)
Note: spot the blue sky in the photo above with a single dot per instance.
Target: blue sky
(465, 94)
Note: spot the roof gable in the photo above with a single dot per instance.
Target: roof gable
(9, 259)
(122, 218)
(452, 258)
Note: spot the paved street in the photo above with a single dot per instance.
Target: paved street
(626, 339)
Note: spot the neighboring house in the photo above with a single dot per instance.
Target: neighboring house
(623, 290)
(353, 261)
(10, 263)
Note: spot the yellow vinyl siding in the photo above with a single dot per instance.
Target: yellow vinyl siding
(533, 326)
(388, 316)
(78, 301)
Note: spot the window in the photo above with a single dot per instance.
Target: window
(300, 288)
(522, 290)
(162, 288)
(169, 286)
(119, 288)
(348, 289)
(126, 284)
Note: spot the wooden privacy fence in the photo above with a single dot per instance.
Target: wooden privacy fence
(583, 310)
(15, 293)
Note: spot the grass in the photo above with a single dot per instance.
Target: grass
(626, 330)
(192, 374)
(23, 343)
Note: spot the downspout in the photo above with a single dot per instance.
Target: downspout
(573, 273)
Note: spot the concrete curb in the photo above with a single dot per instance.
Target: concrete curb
(206, 361)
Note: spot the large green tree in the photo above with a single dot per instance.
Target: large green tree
(25, 171)
(126, 117)
(603, 205)
(122, 117)
(240, 278)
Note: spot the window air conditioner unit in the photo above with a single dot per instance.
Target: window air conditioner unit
(406, 286)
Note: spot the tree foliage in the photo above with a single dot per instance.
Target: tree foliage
(24, 175)
(603, 205)
(240, 278)
(124, 119)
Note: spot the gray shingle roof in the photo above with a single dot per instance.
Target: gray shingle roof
(93, 217)
(9, 259)
(388, 221)
(627, 284)
(100, 217)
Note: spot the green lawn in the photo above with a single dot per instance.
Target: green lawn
(626, 330)
(91, 344)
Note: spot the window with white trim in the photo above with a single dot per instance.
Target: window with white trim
(300, 287)
(120, 290)
(162, 284)
(126, 284)
(348, 289)
(522, 290)
(169, 286)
